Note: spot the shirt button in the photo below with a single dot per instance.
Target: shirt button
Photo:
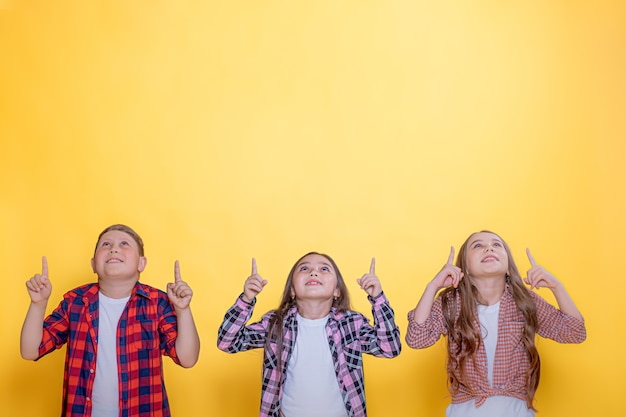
(88, 399)
(91, 371)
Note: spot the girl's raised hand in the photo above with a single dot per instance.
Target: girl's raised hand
(179, 292)
(537, 276)
(450, 274)
(253, 285)
(39, 286)
(370, 282)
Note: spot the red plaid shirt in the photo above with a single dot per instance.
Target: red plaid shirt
(511, 360)
(146, 331)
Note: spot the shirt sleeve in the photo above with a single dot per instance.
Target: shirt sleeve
(383, 339)
(423, 335)
(55, 328)
(168, 328)
(557, 325)
(234, 336)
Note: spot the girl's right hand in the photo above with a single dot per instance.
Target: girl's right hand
(39, 286)
(253, 285)
(450, 275)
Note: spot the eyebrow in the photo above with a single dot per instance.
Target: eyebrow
(307, 263)
(495, 239)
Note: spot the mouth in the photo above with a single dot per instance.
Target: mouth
(490, 258)
(313, 282)
(114, 261)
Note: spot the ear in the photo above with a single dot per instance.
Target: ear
(337, 293)
(93, 265)
(142, 263)
(293, 293)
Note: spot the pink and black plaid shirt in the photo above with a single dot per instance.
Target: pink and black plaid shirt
(511, 361)
(146, 330)
(349, 336)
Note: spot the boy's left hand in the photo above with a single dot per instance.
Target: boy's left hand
(179, 292)
(538, 277)
(370, 282)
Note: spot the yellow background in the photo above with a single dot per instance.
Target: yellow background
(223, 130)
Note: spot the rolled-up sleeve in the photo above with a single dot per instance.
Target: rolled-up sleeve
(423, 335)
(557, 325)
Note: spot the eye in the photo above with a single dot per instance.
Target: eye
(498, 244)
(105, 244)
(325, 269)
(303, 268)
(125, 243)
(477, 245)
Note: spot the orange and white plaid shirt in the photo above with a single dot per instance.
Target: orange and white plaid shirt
(511, 360)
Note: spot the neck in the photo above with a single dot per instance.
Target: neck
(314, 309)
(490, 289)
(116, 288)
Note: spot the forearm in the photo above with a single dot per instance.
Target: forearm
(565, 302)
(187, 340)
(386, 340)
(424, 306)
(32, 331)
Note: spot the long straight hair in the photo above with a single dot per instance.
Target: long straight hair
(464, 338)
(276, 328)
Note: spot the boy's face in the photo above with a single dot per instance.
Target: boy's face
(117, 256)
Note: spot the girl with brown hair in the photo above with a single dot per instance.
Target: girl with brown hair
(490, 319)
(313, 342)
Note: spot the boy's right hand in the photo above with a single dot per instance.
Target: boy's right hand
(253, 285)
(450, 275)
(39, 286)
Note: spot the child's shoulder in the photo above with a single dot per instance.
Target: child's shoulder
(85, 290)
(150, 291)
(347, 315)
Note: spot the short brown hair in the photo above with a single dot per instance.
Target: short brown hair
(127, 230)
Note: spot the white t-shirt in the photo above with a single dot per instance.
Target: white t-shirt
(497, 405)
(311, 388)
(105, 394)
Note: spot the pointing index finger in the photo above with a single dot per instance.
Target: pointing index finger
(373, 267)
(530, 257)
(44, 266)
(254, 266)
(451, 257)
(177, 277)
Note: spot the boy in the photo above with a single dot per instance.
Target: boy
(116, 332)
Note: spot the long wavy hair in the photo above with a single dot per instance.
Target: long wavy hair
(464, 337)
(276, 328)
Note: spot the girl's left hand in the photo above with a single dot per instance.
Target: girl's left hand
(179, 292)
(370, 282)
(538, 277)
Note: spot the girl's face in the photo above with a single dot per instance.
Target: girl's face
(117, 255)
(486, 255)
(314, 278)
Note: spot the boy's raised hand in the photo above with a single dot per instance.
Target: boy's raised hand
(39, 286)
(537, 276)
(253, 285)
(450, 274)
(370, 282)
(179, 292)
